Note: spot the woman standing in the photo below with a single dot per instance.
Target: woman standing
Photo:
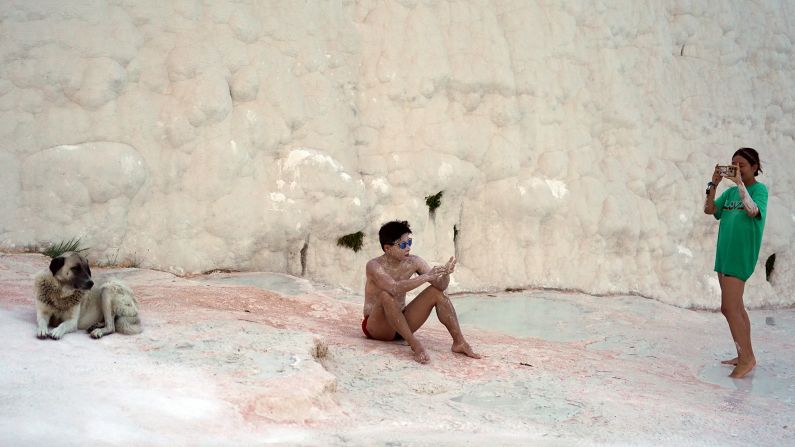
(741, 210)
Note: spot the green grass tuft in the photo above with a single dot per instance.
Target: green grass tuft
(434, 201)
(62, 247)
(354, 241)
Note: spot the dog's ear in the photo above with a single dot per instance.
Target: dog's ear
(56, 264)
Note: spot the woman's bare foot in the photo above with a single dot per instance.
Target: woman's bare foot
(742, 369)
(730, 362)
(464, 348)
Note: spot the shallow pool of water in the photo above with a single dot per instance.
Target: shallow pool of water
(523, 315)
(276, 282)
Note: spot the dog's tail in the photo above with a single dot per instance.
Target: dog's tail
(125, 307)
(128, 325)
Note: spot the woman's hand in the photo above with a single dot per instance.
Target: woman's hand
(736, 179)
(716, 177)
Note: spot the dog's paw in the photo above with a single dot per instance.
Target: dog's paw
(55, 334)
(95, 327)
(96, 333)
(42, 334)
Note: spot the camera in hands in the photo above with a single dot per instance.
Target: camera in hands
(727, 170)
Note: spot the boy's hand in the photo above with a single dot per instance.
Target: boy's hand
(436, 273)
(450, 266)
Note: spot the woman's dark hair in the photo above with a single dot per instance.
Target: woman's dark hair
(752, 156)
(392, 231)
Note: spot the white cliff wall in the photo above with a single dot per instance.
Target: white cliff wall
(572, 140)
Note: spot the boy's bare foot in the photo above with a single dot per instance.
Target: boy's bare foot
(464, 348)
(731, 362)
(742, 369)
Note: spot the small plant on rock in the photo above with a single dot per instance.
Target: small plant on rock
(354, 241)
(434, 201)
(55, 250)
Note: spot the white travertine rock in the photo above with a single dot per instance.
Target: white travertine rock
(10, 185)
(245, 25)
(205, 100)
(245, 84)
(103, 80)
(80, 189)
(572, 141)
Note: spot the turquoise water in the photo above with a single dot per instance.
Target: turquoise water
(637, 328)
(523, 315)
(627, 327)
(276, 282)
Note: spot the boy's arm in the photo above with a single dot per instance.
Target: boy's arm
(380, 278)
(443, 280)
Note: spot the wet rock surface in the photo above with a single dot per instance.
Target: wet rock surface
(280, 360)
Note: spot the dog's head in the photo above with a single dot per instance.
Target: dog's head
(72, 270)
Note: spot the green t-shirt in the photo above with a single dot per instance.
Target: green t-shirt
(739, 236)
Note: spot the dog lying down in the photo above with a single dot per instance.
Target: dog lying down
(67, 299)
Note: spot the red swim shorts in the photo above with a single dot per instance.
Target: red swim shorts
(364, 327)
(367, 334)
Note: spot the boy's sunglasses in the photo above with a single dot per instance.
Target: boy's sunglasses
(404, 244)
